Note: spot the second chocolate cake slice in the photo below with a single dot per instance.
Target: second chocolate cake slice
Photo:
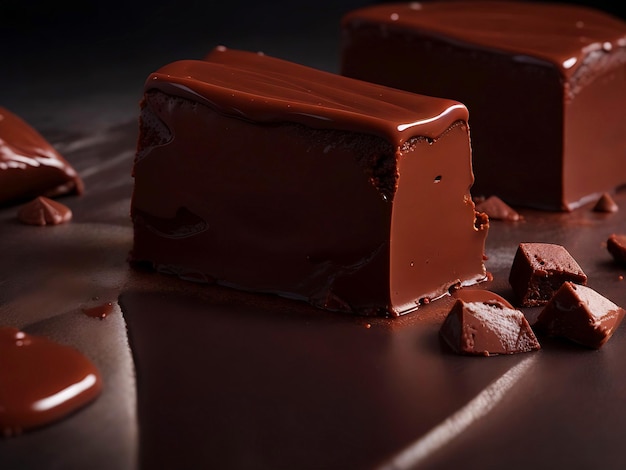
(544, 84)
(268, 176)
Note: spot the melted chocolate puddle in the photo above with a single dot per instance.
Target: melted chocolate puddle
(41, 381)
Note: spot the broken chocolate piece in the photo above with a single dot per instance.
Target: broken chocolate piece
(539, 270)
(497, 209)
(29, 165)
(616, 244)
(580, 314)
(41, 381)
(605, 204)
(554, 74)
(268, 176)
(485, 329)
(44, 211)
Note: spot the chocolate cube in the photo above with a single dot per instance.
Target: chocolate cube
(581, 315)
(487, 328)
(539, 270)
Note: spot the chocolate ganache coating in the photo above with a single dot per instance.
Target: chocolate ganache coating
(265, 175)
(544, 84)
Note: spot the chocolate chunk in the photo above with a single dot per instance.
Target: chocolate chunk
(580, 314)
(539, 270)
(497, 209)
(268, 176)
(44, 211)
(605, 204)
(485, 329)
(616, 244)
(29, 165)
(546, 108)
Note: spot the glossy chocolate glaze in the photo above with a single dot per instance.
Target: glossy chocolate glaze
(29, 165)
(268, 176)
(543, 83)
(258, 88)
(41, 381)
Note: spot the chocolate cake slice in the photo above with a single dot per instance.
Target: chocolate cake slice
(544, 84)
(268, 176)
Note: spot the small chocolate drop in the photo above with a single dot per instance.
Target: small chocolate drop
(44, 211)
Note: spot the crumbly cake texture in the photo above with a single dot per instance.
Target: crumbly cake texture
(580, 314)
(539, 270)
(555, 80)
(268, 176)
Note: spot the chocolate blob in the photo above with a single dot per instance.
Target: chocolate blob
(41, 381)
